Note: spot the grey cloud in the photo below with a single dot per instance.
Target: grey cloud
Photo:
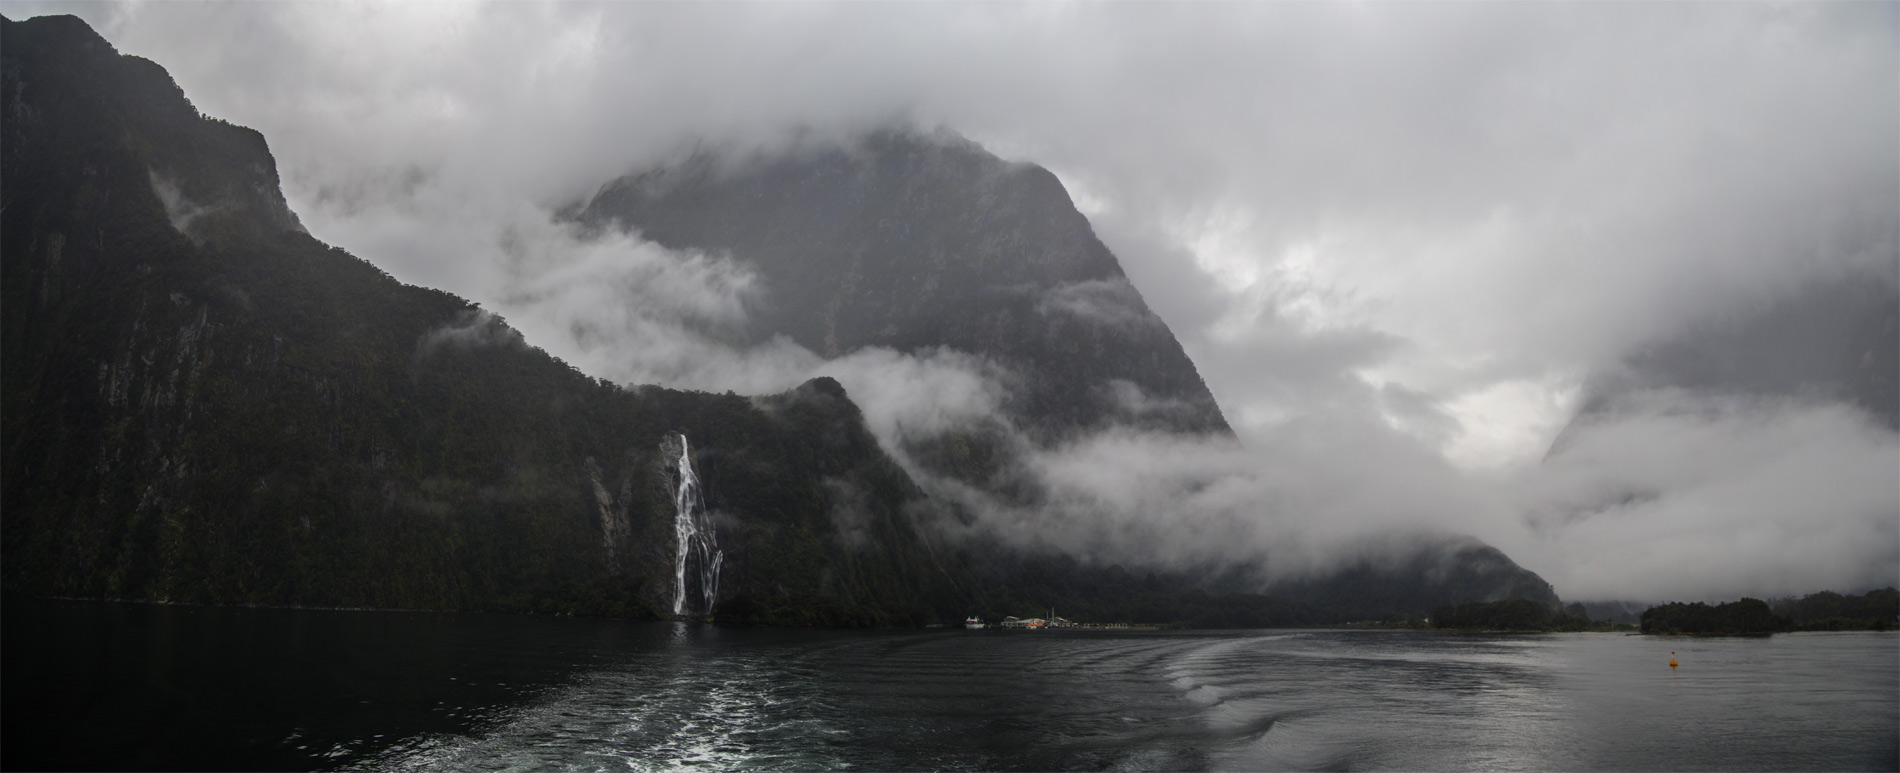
(1274, 369)
(1133, 402)
(1188, 300)
(1592, 175)
(1692, 496)
(472, 329)
(1112, 302)
(1360, 220)
(1416, 413)
(1287, 507)
(180, 210)
(849, 513)
(906, 397)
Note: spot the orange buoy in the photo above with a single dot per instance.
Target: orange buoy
(1672, 659)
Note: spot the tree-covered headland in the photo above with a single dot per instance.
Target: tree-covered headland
(1875, 610)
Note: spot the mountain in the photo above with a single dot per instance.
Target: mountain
(917, 241)
(1437, 570)
(914, 241)
(202, 403)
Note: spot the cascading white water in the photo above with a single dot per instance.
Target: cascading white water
(696, 564)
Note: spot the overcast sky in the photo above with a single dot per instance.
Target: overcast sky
(1395, 238)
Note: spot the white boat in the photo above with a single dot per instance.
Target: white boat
(973, 622)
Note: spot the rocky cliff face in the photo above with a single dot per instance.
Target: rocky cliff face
(203, 403)
(914, 241)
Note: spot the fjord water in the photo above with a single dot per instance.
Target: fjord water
(122, 686)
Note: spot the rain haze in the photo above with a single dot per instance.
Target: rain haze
(1402, 243)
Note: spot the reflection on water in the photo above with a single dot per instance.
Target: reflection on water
(131, 686)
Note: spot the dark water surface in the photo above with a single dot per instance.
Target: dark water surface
(124, 686)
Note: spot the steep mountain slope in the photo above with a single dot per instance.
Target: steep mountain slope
(911, 242)
(203, 403)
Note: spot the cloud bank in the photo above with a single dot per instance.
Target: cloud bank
(1397, 239)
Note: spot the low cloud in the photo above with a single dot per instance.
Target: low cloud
(629, 310)
(180, 210)
(1107, 302)
(471, 329)
(1396, 239)
(1675, 495)
(907, 397)
(1287, 508)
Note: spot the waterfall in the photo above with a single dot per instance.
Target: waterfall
(696, 563)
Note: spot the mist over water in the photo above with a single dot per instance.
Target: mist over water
(155, 687)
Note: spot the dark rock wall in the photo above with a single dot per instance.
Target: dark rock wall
(201, 403)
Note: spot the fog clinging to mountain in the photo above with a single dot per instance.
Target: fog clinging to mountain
(1398, 241)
